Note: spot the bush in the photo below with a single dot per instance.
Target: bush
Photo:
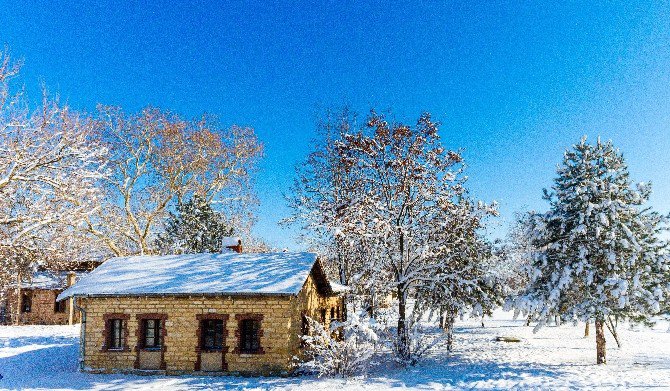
(345, 349)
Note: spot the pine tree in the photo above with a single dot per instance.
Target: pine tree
(195, 228)
(596, 253)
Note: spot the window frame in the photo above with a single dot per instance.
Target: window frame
(26, 297)
(157, 338)
(242, 320)
(112, 337)
(107, 332)
(60, 307)
(250, 340)
(217, 334)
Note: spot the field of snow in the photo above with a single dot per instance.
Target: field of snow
(45, 357)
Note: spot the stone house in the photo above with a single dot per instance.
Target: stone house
(228, 313)
(35, 302)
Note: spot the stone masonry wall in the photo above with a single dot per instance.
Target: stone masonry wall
(310, 303)
(181, 331)
(43, 308)
(280, 322)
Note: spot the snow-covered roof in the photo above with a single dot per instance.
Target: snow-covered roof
(48, 280)
(226, 273)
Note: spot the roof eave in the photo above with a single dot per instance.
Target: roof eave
(198, 294)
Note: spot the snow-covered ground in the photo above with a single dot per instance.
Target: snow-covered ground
(45, 357)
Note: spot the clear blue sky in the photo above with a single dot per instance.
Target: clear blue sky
(513, 84)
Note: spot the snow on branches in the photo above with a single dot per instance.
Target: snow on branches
(394, 199)
(343, 349)
(50, 170)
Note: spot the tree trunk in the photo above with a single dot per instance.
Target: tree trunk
(483, 321)
(403, 338)
(587, 330)
(449, 327)
(600, 341)
(19, 300)
(528, 321)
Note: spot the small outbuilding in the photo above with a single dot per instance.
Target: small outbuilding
(34, 301)
(229, 313)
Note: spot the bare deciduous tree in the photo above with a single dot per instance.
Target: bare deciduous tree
(50, 169)
(157, 159)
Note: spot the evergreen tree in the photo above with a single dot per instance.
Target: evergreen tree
(597, 252)
(195, 228)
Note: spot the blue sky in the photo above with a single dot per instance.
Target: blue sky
(513, 83)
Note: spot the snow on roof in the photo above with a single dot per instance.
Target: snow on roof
(230, 241)
(48, 280)
(227, 273)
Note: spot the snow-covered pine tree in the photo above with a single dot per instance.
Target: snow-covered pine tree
(194, 228)
(597, 252)
(463, 281)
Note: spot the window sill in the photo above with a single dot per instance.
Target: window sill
(250, 353)
(203, 350)
(116, 350)
(152, 349)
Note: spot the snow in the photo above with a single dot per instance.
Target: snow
(46, 280)
(338, 288)
(230, 273)
(230, 241)
(49, 280)
(46, 357)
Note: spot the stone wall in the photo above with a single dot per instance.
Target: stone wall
(280, 322)
(310, 303)
(42, 310)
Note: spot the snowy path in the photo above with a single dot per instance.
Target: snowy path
(45, 357)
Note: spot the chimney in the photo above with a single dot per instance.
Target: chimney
(231, 243)
(70, 279)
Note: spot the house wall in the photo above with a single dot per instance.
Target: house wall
(42, 310)
(280, 325)
(310, 303)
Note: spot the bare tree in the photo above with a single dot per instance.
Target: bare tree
(392, 197)
(157, 159)
(322, 188)
(50, 169)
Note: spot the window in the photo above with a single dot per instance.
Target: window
(26, 301)
(323, 316)
(250, 341)
(116, 337)
(151, 333)
(212, 334)
(332, 314)
(60, 306)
